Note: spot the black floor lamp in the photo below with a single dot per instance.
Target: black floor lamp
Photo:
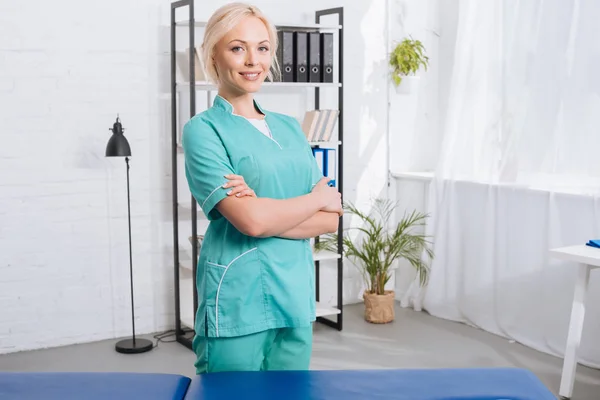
(119, 147)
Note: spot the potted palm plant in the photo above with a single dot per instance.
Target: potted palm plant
(375, 250)
(406, 59)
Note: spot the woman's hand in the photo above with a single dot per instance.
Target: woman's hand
(330, 196)
(240, 189)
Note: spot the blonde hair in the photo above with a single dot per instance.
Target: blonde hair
(222, 21)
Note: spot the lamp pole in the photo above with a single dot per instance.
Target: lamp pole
(118, 146)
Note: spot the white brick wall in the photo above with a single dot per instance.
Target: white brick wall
(66, 69)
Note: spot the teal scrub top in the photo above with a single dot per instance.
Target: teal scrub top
(247, 284)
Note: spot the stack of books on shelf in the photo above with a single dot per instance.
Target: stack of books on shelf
(318, 125)
(183, 62)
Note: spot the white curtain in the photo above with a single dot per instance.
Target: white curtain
(519, 172)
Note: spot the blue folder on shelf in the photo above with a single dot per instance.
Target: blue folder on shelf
(326, 160)
(594, 243)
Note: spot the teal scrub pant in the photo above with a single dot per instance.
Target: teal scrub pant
(274, 349)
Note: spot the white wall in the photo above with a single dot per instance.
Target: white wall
(66, 69)
(414, 118)
(417, 118)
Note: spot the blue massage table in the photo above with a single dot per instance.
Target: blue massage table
(421, 384)
(91, 386)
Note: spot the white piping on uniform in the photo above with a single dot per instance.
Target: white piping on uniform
(211, 193)
(271, 135)
(280, 148)
(240, 116)
(216, 265)
(219, 287)
(268, 127)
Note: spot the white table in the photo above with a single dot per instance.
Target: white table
(588, 258)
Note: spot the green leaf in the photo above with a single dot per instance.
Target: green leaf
(406, 59)
(376, 247)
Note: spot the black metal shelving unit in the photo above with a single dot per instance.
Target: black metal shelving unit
(183, 332)
(340, 171)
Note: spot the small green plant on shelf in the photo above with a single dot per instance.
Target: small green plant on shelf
(377, 248)
(406, 59)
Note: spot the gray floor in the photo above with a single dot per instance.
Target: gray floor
(414, 340)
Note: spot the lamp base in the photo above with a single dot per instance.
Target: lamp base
(128, 346)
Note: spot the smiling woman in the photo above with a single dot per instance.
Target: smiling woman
(253, 173)
(239, 48)
(243, 57)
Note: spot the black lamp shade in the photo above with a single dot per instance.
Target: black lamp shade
(117, 146)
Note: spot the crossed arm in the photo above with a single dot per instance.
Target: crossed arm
(296, 218)
(320, 223)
